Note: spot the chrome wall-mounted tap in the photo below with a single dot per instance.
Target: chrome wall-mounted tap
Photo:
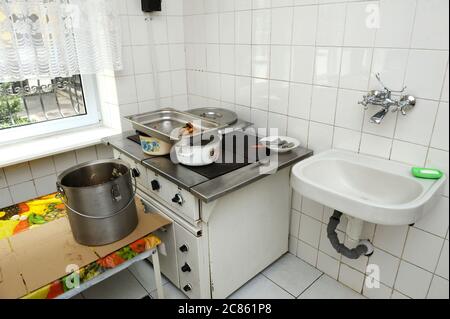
(384, 99)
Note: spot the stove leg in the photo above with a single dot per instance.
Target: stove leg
(157, 270)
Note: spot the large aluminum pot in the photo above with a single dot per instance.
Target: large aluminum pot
(99, 197)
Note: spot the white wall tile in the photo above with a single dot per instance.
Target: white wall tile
(413, 281)
(243, 4)
(444, 96)
(376, 146)
(358, 29)
(323, 106)
(282, 25)
(328, 265)
(280, 68)
(439, 159)
(18, 173)
(310, 230)
(243, 90)
(312, 208)
(346, 139)
(295, 223)
(261, 27)
(23, 192)
(243, 65)
(86, 154)
(5, 198)
(381, 292)
(307, 253)
(388, 265)
(355, 68)
(442, 268)
(417, 125)
(439, 289)
(227, 58)
(396, 23)
(425, 73)
(441, 128)
(409, 153)
(277, 123)
(3, 182)
(300, 96)
(431, 25)
(351, 278)
(391, 238)
(278, 97)
(422, 249)
(260, 94)
(45, 185)
(303, 64)
(142, 59)
(42, 167)
(298, 128)
(305, 25)
(64, 161)
(320, 137)
(327, 66)
(349, 114)
(436, 221)
(260, 61)
(391, 64)
(331, 24)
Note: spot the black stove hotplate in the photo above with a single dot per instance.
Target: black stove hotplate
(239, 149)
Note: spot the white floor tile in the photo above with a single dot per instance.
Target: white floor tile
(170, 292)
(292, 274)
(120, 286)
(144, 273)
(260, 288)
(328, 288)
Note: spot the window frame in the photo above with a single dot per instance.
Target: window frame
(31, 131)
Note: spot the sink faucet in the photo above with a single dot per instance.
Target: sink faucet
(384, 99)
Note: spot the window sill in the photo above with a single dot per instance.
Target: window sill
(28, 150)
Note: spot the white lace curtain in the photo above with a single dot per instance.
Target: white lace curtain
(58, 38)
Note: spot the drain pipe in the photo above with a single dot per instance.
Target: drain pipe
(364, 248)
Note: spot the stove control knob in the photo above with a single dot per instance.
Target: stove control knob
(187, 288)
(155, 185)
(186, 268)
(184, 249)
(178, 199)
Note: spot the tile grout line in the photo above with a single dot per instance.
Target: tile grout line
(312, 284)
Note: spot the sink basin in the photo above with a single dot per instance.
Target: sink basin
(371, 189)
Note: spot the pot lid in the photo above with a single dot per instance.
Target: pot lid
(219, 115)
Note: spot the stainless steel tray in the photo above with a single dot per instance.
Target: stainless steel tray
(166, 123)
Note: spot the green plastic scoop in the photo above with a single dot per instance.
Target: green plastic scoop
(427, 173)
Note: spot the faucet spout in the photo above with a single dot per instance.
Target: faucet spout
(378, 118)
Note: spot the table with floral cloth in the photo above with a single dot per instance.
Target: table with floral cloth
(28, 215)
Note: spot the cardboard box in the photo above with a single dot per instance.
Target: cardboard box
(39, 256)
(11, 283)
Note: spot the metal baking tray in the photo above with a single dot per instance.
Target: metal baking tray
(166, 123)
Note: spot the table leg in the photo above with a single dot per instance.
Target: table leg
(157, 270)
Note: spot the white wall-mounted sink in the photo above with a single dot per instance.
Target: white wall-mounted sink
(371, 189)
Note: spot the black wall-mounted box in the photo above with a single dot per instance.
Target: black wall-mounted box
(151, 5)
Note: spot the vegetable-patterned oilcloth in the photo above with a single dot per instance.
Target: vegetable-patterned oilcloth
(24, 216)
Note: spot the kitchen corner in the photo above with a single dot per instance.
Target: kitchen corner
(220, 220)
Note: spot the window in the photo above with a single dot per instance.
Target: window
(46, 106)
(35, 101)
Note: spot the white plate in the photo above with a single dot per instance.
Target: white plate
(283, 138)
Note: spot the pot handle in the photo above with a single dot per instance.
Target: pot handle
(61, 194)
